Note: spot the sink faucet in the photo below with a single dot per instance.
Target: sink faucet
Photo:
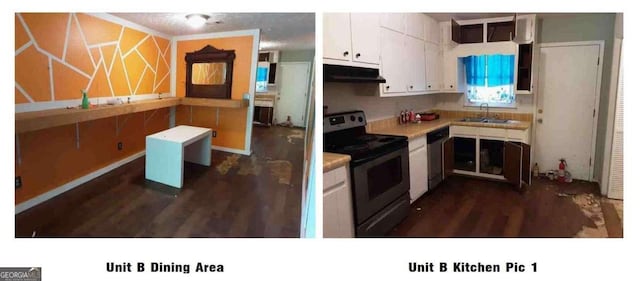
(486, 115)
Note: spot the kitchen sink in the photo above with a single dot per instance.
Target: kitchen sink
(484, 120)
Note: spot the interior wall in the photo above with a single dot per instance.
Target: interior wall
(229, 123)
(586, 27)
(108, 59)
(455, 101)
(349, 96)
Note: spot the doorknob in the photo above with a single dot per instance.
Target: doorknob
(539, 120)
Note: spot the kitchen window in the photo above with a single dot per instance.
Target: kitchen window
(490, 80)
(262, 79)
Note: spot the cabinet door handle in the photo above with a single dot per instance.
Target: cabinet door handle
(346, 53)
(357, 55)
(429, 86)
(386, 87)
(411, 87)
(451, 86)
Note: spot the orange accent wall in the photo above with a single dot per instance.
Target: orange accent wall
(232, 124)
(94, 59)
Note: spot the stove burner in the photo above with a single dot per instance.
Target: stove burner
(356, 147)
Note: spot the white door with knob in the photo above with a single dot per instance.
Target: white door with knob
(294, 88)
(568, 95)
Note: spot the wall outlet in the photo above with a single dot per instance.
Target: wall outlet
(18, 181)
(213, 134)
(119, 145)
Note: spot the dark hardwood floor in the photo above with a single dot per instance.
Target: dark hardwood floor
(238, 196)
(466, 207)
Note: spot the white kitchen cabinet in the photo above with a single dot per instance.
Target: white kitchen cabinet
(415, 71)
(452, 72)
(415, 25)
(336, 36)
(337, 204)
(351, 39)
(394, 21)
(365, 37)
(525, 29)
(418, 169)
(432, 30)
(392, 63)
(433, 65)
(512, 146)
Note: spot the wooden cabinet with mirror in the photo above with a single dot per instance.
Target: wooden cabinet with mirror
(209, 73)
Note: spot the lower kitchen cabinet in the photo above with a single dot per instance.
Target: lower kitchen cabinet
(263, 115)
(491, 153)
(418, 168)
(337, 204)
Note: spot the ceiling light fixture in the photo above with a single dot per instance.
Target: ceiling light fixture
(197, 20)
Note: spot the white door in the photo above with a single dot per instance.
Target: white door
(365, 37)
(337, 36)
(294, 86)
(566, 125)
(392, 63)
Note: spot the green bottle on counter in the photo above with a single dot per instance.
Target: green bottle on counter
(85, 100)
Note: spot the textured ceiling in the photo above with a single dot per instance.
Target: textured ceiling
(285, 31)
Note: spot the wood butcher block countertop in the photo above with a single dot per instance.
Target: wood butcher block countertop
(334, 160)
(420, 129)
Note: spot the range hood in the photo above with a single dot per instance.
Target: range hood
(351, 74)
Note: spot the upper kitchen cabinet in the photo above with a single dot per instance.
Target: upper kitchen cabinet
(414, 56)
(433, 59)
(394, 21)
(393, 63)
(525, 29)
(501, 31)
(432, 30)
(351, 39)
(416, 25)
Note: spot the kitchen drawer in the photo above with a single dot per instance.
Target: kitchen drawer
(518, 135)
(263, 103)
(417, 143)
(334, 177)
(492, 132)
(462, 130)
(478, 131)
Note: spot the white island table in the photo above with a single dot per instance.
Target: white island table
(167, 150)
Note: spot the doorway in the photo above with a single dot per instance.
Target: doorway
(567, 106)
(292, 96)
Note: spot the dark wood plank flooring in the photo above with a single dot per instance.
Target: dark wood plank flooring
(238, 196)
(466, 207)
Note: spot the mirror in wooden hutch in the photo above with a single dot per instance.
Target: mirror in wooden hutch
(209, 73)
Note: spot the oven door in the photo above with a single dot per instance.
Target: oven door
(379, 182)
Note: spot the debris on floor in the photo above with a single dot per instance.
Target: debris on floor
(251, 167)
(230, 162)
(297, 134)
(281, 169)
(590, 206)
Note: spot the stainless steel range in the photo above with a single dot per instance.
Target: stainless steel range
(379, 172)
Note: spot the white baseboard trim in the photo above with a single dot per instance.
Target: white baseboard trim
(74, 183)
(231, 150)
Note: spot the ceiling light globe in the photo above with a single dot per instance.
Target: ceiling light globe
(196, 20)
